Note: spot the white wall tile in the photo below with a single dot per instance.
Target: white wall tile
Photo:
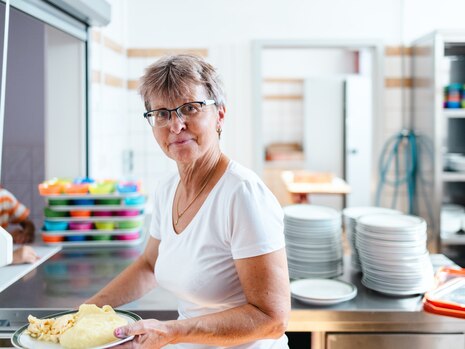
(393, 66)
(393, 99)
(136, 67)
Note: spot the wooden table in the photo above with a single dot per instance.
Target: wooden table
(316, 183)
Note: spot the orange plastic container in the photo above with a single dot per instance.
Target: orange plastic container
(83, 213)
(50, 189)
(76, 188)
(52, 238)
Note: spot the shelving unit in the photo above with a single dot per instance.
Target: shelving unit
(93, 237)
(438, 60)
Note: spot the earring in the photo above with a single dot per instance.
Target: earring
(219, 130)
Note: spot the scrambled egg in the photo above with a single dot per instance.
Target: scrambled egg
(91, 326)
(49, 330)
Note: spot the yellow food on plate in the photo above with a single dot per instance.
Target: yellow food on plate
(90, 327)
(49, 330)
(94, 326)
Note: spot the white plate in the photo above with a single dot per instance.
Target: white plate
(319, 301)
(23, 341)
(322, 291)
(295, 274)
(395, 291)
(391, 222)
(311, 212)
(355, 212)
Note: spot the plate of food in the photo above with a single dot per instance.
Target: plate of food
(89, 327)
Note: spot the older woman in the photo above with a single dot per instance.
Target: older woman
(216, 234)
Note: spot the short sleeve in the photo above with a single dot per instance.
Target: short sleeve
(255, 221)
(16, 210)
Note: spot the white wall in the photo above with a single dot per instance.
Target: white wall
(421, 17)
(108, 124)
(219, 22)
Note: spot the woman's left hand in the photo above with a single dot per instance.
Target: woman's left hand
(148, 334)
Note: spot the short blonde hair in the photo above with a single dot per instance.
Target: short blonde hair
(173, 76)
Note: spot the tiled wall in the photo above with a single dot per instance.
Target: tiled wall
(121, 141)
(109, 121)
(397, 90)
(283, 111)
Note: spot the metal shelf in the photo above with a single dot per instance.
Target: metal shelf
(101, 207)
(454, 113)
(97, 243)
(91, 232)
(449, 176)
(96, 218)
(115, 195)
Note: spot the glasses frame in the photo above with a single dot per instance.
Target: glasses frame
(205, 102)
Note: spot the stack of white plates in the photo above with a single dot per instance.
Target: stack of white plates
(322, 291)
(451, 219)
(456, 162)
(350, 216)
(313, 241)
(393, 254)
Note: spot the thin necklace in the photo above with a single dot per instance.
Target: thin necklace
(210, 175)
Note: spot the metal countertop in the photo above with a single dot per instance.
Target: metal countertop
(72, 276)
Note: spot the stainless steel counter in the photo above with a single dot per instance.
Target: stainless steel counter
(71, 276)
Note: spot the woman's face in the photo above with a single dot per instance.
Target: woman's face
(186, 141)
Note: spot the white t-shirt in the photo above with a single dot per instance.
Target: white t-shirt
(240, 218)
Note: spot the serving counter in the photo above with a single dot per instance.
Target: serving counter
(370, 320)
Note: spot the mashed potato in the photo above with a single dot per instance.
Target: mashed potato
(91, 326)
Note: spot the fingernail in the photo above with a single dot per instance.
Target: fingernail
(119, 333)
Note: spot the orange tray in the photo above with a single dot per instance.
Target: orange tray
(431, 308)
(448, 298)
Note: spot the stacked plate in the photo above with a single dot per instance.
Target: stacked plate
(456, 162)
(350, 216)
(322, 291)
(313, 241)
(451, 219)
(393, 254)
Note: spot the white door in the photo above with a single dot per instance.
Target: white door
(358, 139)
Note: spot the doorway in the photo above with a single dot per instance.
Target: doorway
(309, 113)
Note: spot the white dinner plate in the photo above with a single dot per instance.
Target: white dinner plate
(23, 341)
(355, 212)
(391, 222)
(319, 301)
(322, 291)
(311, 212)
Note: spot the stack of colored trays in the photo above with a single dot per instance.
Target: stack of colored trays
(453, 96)
(106, 213)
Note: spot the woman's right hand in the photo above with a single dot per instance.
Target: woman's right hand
(151, 334)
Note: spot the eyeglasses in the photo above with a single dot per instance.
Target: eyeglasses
(187, 111)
